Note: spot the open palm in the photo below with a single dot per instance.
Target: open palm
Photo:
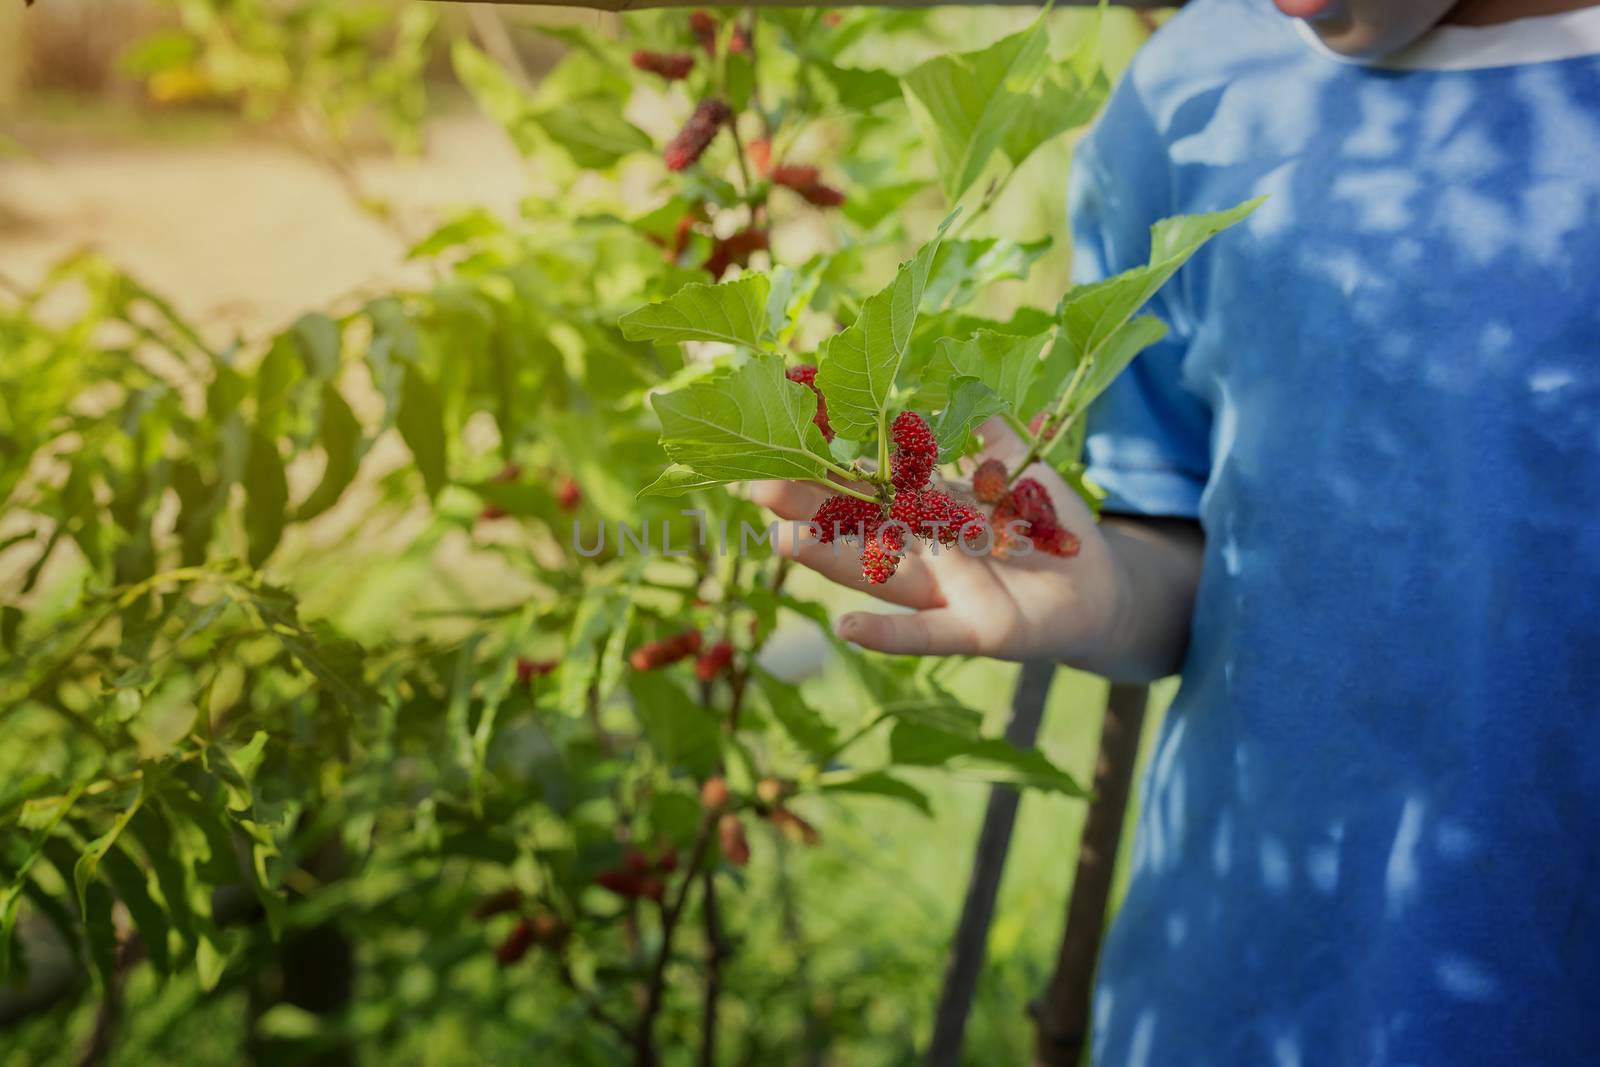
(1032, 606)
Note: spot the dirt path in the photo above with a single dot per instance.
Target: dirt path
(242, 235)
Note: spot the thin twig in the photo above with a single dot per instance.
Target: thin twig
(717, 950)
(644, 1036)
(591, 1002)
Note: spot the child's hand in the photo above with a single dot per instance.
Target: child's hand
(1084, 611)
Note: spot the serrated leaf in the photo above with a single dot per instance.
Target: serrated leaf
(11, 893)
(858, 89)
(964, 269)
(988, 759)
(967, 102)
(1006, 364)
(132, 888)
(970, 402)
(1064, 101)
(805, 727)
(734, 313)
(879, 784)
(856, 369)
(683, 733)
(1095, 317)
(752, 423)
(679, 481)
(592, 131)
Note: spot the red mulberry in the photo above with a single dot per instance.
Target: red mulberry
(668, 650)
(878, 562)
(989, 481)
(806, 375)
(696, 136)
(730, 835)
(569, 494)
(1030, 502)
(529, 669)
(703, 25)
(735, 250)
(673, 66)
(517, 943)
(806, 180)
(794, 826)
(932, 515)
(916, 452)
(846, 516)
(713, 661)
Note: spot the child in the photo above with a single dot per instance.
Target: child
(1355, 499)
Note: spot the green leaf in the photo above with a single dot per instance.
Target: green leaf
(679, 481)
(340, 436)
(734, 313)
(683, 733)
(1095, 317)
(46, 816)
(132, 887)
(83, 871)
(856, 369)
(964, 269)
(1067, 98)
(970, 403)
(319, 343)
(966, 103)
(752, 423)
(421, 423)
(807, 729)
(1005, 363)
(989, 759)
(266, 497)
(496, 94)
(879, 784)
(593, 131)
(857, 89)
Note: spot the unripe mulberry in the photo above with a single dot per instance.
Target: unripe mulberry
(703, 25)
(730, 834)
(517, 943)
(713, 661)
(989, 481)
(735, 250)
(668, 650)
(569, 494)
(846, 516)
(714, 795)
(759, 152)
(770, 790)
(806, 180)
(529, 669)
(880, 556)
(916, 452)
(806, 375)
(673, 66)
(739, 43)
(793, 826)
(696, 136)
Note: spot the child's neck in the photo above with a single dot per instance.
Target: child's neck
(1490, 12)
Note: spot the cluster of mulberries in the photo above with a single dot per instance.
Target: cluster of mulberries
(806, 375)
(673, 66)
(696, 136)
(665, 652)
(638, 875)
(1027, 505)
(807, 181)
(918, 509)
(735, 250)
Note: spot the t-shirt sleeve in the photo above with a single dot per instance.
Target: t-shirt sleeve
(1148, 437)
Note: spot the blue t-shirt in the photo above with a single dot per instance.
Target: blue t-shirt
(1370, 833)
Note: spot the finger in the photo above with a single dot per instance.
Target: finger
(789, 500)
(939, 632)
(913, 585)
